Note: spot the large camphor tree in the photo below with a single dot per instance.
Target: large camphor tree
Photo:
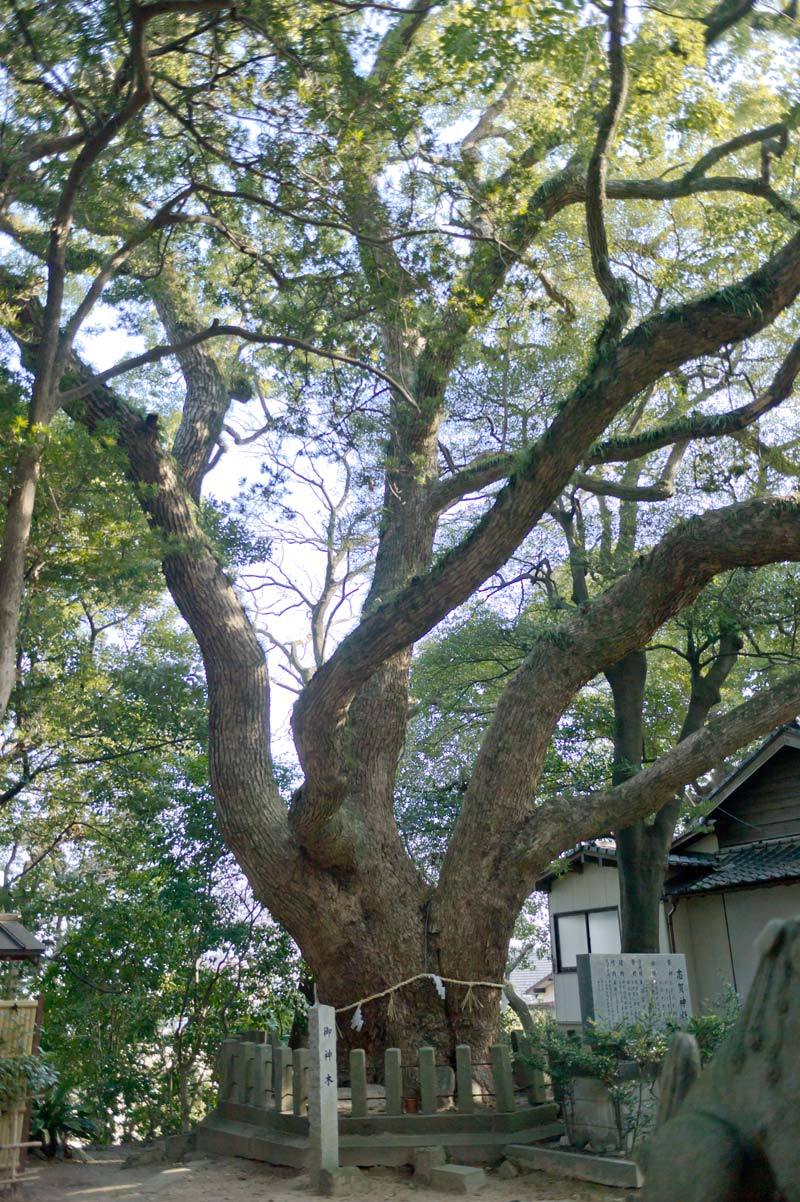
(465, 260)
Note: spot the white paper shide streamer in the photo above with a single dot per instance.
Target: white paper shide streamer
(438, 985)
(470, 1002)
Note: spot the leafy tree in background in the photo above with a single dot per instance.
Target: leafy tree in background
(448, 263)
(157, 949)
(741, 634)
(159, 953)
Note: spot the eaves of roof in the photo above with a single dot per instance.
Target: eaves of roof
(763, 863)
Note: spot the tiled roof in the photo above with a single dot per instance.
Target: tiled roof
(736, 867)
(525, 980)
(603, 851)
(16, 942)
(692, 858)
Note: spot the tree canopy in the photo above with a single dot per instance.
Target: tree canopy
(471, 293)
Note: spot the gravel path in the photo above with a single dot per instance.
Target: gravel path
(103, 1179)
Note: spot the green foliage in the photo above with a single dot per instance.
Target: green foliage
(599, 1052)
(711, 1028)
(334, 204)
(459, 674)
(566, 1056)
(157, 949)
(626, 1058)
(56, 1118)
(235, 544)
(24, 1078)
(607, 1055)
(163, 956)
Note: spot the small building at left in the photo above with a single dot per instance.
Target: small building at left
(20, 1024)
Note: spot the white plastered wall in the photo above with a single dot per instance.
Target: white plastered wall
(749, 910)
(698, 925)
(717, 932)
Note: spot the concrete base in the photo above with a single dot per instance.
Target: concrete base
(457, 1179)
(283, 1139)
(337, 1183)
(426, 1160)
(581, 1166)
(221, 1137)
(592, 1117)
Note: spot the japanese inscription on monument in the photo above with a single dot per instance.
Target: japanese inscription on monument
(627, 988)
(323, 1094)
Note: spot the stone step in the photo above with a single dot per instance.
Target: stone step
(444, 1123)
(394, 1149)
(223, 1137)
(581, 1166)
(457, 1178)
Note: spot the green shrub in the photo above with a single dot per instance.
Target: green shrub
(711, 1030)
(601, 1052)
(57, 1117)
(23, 1078)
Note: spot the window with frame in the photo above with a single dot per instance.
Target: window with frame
(581, 931)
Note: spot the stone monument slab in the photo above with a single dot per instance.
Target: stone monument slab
(628, 988)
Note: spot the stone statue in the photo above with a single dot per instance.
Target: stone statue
(679, 1072)
(736, 1137)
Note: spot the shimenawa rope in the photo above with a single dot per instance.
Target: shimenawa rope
(469, 1000)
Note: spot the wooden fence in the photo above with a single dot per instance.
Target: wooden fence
(269, 1076)
(17, 1034)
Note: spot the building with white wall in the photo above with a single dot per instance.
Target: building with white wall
(725, 879)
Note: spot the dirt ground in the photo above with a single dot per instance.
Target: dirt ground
(220, 1179)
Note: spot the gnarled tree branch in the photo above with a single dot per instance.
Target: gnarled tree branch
(511, 756)
(720, 738)
(651, 350)
(613, 287)
(703, 425)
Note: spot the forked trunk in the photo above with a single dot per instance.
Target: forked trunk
(367, 934)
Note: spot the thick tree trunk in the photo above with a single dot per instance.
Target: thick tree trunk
(375, 930)
(16, 536)
(334, 871)
(641, 868)
(641, 860)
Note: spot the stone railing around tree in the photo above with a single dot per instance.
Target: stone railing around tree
(271, 1076)
(262, 1104)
